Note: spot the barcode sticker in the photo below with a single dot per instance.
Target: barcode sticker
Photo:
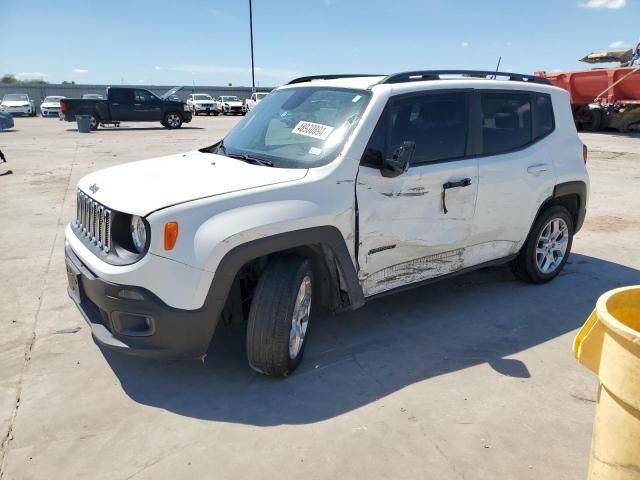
(313, 130)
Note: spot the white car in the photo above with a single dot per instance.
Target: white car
(203, 103)
(336, 191)
(231, 105)
(50, 106)
(255, 98)
(18, 103)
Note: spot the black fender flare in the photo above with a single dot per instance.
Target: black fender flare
(327, 238)
(578, 188)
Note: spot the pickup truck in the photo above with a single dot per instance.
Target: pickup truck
(124, 104)
(249, 103)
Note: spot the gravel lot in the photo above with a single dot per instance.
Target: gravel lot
(469, 378)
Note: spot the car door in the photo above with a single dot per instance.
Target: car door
(411, 227)
(121, 104)
(516, 171)
(146, 106)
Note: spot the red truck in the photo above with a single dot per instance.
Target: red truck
(603, 97)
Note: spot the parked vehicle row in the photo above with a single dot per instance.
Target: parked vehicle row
(197, 103)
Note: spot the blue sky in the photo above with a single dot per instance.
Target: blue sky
(207, 41)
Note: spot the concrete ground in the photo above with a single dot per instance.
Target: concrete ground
(468, 378)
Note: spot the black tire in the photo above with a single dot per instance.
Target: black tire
(271, 314)
(592, 120)
(94, 121)
(215, 114)
(172, 120)
(525, 266)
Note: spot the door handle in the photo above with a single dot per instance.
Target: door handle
(115, 104)
(537, 168)
(448, 185)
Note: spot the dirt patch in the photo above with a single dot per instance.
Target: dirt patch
(608, 223)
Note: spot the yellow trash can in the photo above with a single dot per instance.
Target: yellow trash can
(609, 345)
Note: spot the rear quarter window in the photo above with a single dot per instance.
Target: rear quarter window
(514, 120)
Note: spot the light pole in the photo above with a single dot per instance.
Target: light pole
(253, 76)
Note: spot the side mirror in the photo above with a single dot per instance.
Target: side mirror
(399, 161)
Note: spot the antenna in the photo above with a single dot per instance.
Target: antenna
(497, 67)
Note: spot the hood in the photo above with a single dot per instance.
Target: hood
(15, 103)
(198, 102)
(171, 93)
(51, 104)
(233, 103)
(142, 187)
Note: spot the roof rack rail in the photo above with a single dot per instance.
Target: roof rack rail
(422, 75)
(332, 77)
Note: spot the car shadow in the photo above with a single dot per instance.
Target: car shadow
(358, 357)
(135, 129)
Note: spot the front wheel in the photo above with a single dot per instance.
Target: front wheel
(547, 248)
(279, 316)
(172, 120)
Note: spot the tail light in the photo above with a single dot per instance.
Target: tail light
(63, 106)
(585, 153)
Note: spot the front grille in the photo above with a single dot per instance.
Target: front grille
(93, 220)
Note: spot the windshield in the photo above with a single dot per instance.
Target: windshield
(202, 97)
(230, 99)
(298, 127)
(52, 99)
(13, 97)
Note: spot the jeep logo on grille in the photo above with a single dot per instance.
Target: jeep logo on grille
(94, 188)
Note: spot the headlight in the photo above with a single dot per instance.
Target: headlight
(138, 233)
(226, 104)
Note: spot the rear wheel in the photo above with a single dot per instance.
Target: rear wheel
(548, 247)
(279, 316)
(590, 119)
(93, 122)
(172, 120)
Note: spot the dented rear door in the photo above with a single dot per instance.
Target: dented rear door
(407, 231)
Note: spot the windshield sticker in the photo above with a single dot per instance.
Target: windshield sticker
(356, 98)
(313, 130)
(315, 151)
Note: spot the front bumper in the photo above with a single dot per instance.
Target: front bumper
(136, 322)
(18, 110)
(201, 108)
(46, 112)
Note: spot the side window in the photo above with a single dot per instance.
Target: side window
(120, 96)
(436, 122)
(543, 116)
(141, 96)
(506, 122)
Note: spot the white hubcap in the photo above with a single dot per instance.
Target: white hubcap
(300, 319)
(552, 245)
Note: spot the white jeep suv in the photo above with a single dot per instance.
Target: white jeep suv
(332, 191)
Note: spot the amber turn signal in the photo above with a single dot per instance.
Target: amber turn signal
(170, 235)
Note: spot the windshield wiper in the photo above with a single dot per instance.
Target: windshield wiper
(249, 159)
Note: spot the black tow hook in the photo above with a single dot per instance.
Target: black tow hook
(446, 186)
